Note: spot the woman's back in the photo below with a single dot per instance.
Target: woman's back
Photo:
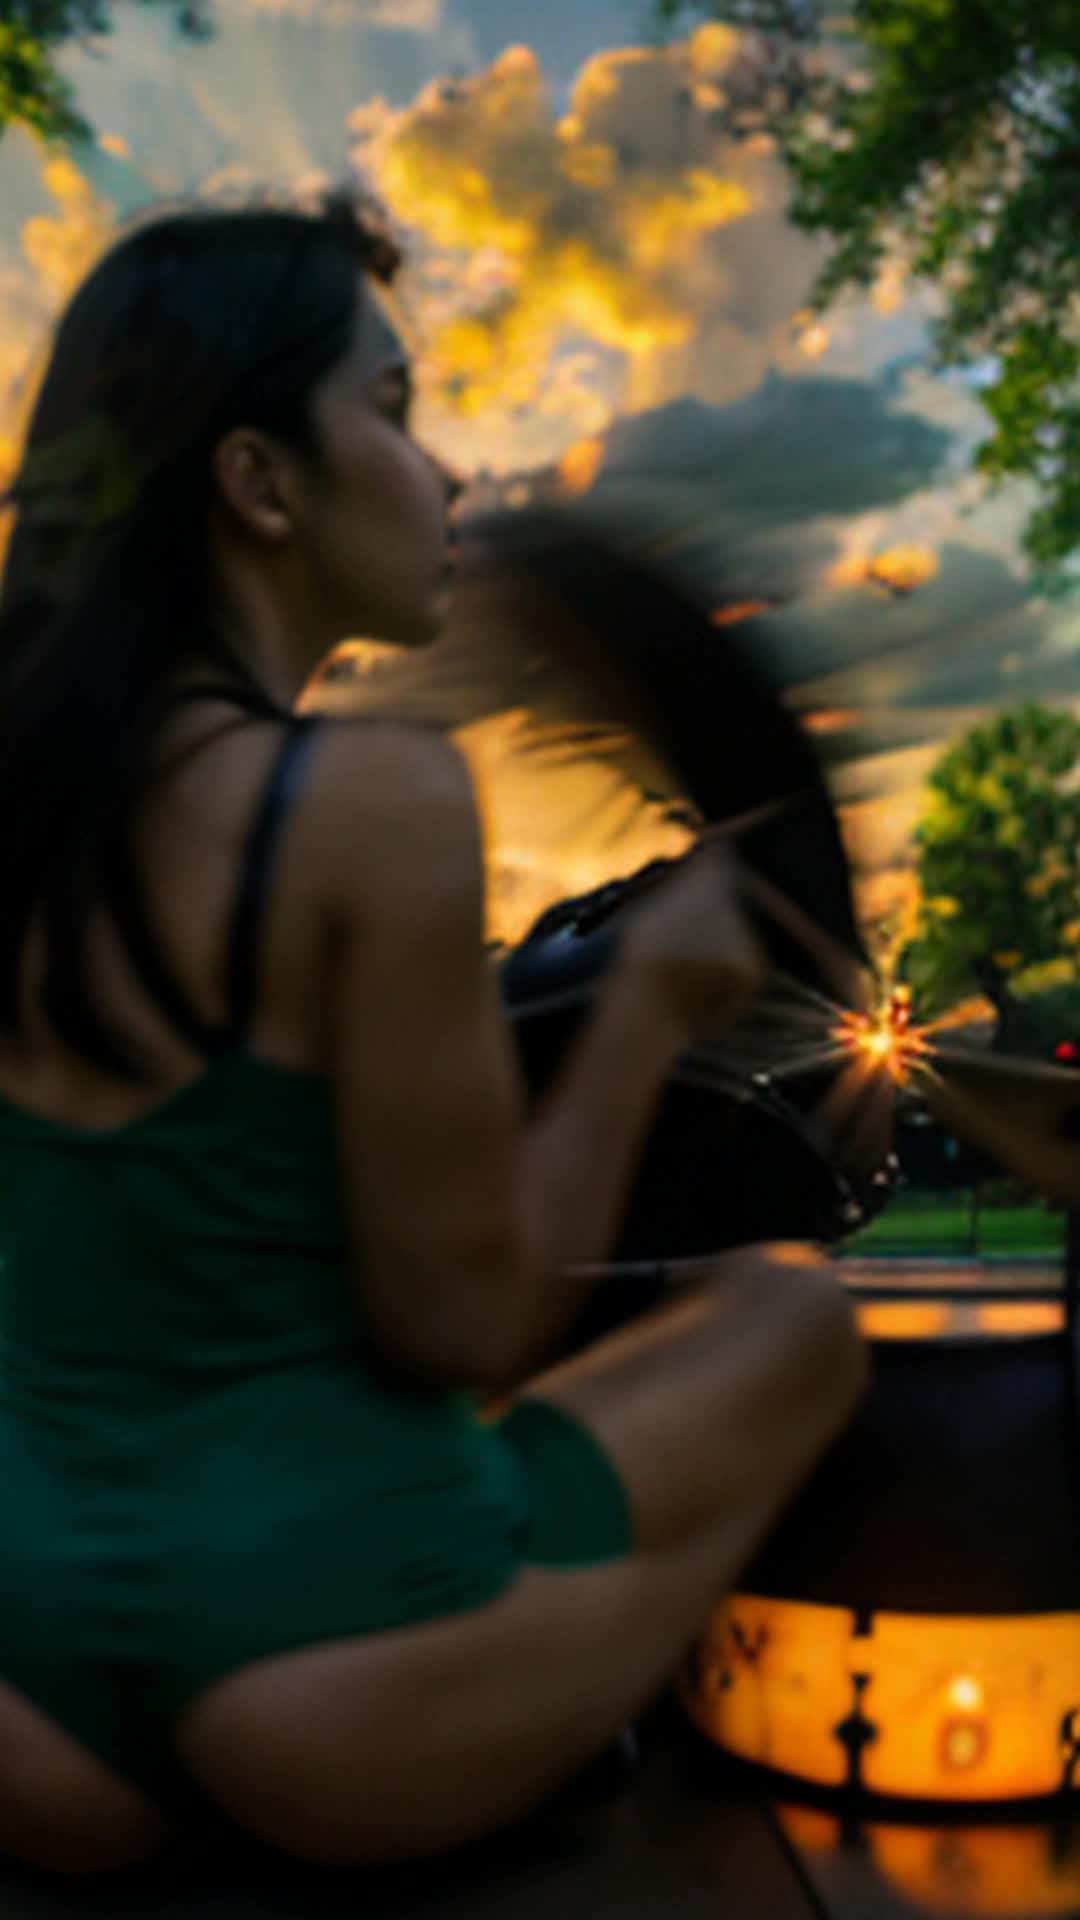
(190, 1411)
(198, 1243)
(190, 836)
(186, 1225)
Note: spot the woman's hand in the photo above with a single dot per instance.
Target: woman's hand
(692, 942)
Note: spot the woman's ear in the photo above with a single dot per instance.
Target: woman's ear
(252, 478)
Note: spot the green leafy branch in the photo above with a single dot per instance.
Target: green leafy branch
(33, 92)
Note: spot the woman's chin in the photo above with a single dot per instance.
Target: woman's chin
(415, 624)
(424, 624)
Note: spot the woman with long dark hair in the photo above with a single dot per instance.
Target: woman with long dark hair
(273, 1220)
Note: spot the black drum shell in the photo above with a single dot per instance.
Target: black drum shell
(728, 1162)
(721, 1167)
(956, 1490)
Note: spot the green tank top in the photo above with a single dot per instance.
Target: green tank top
(198, 1255)
(202, 1243)
(199, 1249)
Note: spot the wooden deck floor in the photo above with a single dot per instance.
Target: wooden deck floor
(681, 1836)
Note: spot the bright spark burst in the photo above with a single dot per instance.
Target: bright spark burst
(886, 1039)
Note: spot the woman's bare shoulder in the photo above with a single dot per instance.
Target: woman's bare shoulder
(391, 806)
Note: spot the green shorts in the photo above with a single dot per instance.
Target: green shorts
(575, 1502)
(115, 1616)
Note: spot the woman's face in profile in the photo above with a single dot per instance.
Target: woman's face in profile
(375, 515)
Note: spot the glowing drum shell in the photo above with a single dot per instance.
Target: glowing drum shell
(912, 1628)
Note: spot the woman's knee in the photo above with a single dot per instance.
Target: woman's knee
(61, 1808)
(79, 1821)
(812, 1326)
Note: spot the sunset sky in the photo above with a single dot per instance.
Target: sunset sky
(601, 275)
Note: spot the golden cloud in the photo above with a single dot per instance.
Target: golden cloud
(58, 248)
(825, 721)
(903, 569)
(898, 570)
(61, 247)
(580, 465)
(543, 236)
(813, 339)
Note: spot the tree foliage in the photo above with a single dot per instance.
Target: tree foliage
(999, 863)
(946, 134)
(33, 92)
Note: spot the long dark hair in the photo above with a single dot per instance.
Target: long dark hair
(195, 322)
(703, 694)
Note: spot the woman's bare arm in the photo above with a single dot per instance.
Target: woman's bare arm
(464, 1212)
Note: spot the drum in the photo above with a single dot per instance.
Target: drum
(742, 1148)
(912, 1627)
(911, 1630)
(731, 1158)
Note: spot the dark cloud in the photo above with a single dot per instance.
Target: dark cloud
(795, 450)
(749, 496)
(943, 646)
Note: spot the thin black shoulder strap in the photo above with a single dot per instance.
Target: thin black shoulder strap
(132, 921)
(256, 873)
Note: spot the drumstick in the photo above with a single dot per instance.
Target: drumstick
(739, 823)
(844, 973)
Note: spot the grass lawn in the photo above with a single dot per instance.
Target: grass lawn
(917, 1222)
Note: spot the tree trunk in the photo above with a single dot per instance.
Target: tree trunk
(1017, 1030)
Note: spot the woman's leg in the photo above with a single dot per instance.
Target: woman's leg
(60, 1807)
(743, 1353)
(713, 1410)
